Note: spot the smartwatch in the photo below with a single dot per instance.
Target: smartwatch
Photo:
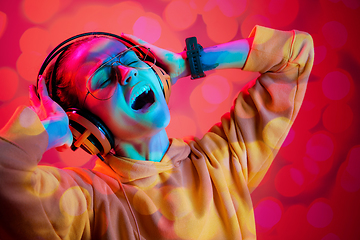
(193, 53)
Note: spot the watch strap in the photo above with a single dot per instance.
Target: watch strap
(193, 52)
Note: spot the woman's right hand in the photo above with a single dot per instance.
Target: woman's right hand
(52, 116)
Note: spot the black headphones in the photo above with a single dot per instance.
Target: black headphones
(89, 132)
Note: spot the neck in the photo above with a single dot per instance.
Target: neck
(151, 148)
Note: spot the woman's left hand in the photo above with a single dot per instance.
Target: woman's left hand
(173, 63)
(52, 116)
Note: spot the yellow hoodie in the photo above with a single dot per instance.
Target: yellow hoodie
(200, 189)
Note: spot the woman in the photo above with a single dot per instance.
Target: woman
(152, 187)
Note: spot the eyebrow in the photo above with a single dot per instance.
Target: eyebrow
(111, 59)
(102, 65)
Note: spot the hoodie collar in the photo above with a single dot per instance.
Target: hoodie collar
(130, 169)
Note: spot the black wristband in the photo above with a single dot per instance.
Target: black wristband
(193, 54)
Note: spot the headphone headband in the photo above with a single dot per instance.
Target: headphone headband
(63, 46)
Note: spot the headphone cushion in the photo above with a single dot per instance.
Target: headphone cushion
(100, 135)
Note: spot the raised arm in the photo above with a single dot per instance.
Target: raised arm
(265, 109)
(227, 55)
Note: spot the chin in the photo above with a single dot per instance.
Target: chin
(162, 119)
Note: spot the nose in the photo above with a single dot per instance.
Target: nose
(127, 74)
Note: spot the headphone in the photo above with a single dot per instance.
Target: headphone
(89, 132)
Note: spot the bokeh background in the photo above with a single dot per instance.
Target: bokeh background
(312, 189)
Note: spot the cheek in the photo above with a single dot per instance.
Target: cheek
(117, 114)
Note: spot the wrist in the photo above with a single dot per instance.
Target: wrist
(186, 72)
(193, 53)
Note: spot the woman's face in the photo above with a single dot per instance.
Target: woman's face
(137, 108)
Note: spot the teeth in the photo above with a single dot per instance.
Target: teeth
(145, 88)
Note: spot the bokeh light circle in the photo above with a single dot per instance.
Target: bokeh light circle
(40, 11)
(289, 138)
(122, 16)
(179, 15)
(219, 27)
(35, 39)
(353, 166)
(215, 89)
(143, 203)
(284, 11)
(198, 5)
(198, 102)
(268, 213)
(353, 4)
(28, 65)
(273, 131)
(330, 236)
(67, 206)
(289, 181)
(350, 178)
(248, 24)
(59, 30)
(337, 117)
(3, 22)
(311, 166)
(336, 85)
(222, 31)
(320, 147)
(297, 145)
(147, 28)
(232, 8)
(335, 34)
(320, 53)
(320, 214)
(9, 83)
(292, 222)
(181, 126)
(310, 113)
(7, 109)
(349, 183)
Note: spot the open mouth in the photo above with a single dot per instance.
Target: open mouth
(143, 99)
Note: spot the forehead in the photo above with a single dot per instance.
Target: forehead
(87, 57)
(98, 49)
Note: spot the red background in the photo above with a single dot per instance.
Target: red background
(312, 189)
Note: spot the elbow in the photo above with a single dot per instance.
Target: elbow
(303, 51)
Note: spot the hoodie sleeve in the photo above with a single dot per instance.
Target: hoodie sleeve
(248, 138)
(37, 202)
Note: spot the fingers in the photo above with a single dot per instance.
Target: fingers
(34, 100)
(136, 40)
(67, 144)
(42, 90)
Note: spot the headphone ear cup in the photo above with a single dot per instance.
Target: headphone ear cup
(164, 81)
(89, 132)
